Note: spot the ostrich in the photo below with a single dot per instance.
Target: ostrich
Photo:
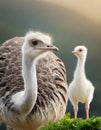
(33, 84)
(80, 89)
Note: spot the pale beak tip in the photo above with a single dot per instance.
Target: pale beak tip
(73, 52)
(57, 49)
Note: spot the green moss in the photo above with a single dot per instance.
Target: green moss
(67, 123)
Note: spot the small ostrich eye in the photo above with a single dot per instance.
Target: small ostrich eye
(80, 50)
(35, 42)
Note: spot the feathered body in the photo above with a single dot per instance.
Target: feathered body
(51, 99)
(80, 89)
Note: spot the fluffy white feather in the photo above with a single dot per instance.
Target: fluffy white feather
(80, 89)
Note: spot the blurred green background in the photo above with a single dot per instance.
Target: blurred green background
(68, 28)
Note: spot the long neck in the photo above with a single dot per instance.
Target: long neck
(25, 100)
(30, 83)
(79, 73)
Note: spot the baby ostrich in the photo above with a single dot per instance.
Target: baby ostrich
(80, 89)
(33, 86)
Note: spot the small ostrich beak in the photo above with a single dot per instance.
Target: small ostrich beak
(75, 52)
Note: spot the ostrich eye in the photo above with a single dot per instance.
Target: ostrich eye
(80, 50)
(35, 42)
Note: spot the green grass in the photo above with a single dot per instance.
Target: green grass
(67, 123)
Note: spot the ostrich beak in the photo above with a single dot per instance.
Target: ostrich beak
(53, 48)
(48, 48)
(75, 52)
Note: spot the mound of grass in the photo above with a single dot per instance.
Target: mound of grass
(67, 123)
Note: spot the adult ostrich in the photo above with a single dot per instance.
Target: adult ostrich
(33, 86)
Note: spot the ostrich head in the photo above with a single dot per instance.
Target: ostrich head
(80, 52)
(36, 44)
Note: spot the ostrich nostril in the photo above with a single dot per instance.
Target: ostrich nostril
(48, 46)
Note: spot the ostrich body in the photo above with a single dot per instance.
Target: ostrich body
(33, 86)
(80, 89)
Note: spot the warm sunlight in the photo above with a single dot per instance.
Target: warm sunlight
(38, 84)
(89, 8)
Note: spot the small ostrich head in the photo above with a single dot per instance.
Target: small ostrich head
(37, 43)
(80, 52)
